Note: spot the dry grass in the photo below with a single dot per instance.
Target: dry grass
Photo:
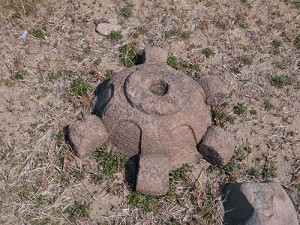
(247, 43)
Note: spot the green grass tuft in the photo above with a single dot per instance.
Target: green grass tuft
(129, 54)
(126, 11)
(208, 52)
(115, 36)
(281, 81)
(80, 87)
(39, 33)
(146, 203)
(21, 74)
(108, 164)
(79, 210)
(239, 109)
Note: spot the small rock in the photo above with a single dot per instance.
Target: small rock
(85, 136)
(214, 89)
(258, 204)
(155, 54)
(154, 168)
(24, 35)
(217, 146)
(107, 28)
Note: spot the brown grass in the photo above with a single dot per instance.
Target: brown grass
(42, 182)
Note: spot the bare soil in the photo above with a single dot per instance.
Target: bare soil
(255, 50)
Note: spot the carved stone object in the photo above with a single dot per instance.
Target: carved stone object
(161, 115)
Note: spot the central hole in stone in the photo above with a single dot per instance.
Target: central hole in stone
(159, 87)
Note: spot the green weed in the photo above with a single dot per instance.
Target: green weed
(173, 62)
(181, 173)
(9, 82)
(246, 60)
(230, 166)
(185, 35)
(5, 153)
(240, 20)
(115, 36)
(268, 105)
(129, 54)
(39, 33)
(276, 44)
(21, 74)
(80, 87)
(108, 164)
(146, 203)
(109, 74)
(79, 210)
(296, 4)
(269, 169)
(222, 24)
(59, 136)
(53, 76)
(239, 109)
(142, 30)
(221, 117)
(254, 172)
(280, 65)
(246, 3)
(281, 81)
(171, 33)
(21, 7)
(126, 11)
(235, 69)
(41, 200)
(177, 64)
(297, 39)
(208, 52)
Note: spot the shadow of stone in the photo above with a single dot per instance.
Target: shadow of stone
(68, 141)
(131, 171)
(237, 208)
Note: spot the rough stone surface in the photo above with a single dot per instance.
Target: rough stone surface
(154, 168)
(155, 54)
(215, 90)
(217, 146)
(107, 28)
(86, 135)
(153, 109)
(258, 204)
(159, 117)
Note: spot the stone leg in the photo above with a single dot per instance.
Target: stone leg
(153, 174)
(85, 136)
(217, 146)
(214, 89)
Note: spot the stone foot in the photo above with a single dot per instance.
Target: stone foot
(85, 136)
(153, 174)
(217, 146)
(214, 89)
(155, 55)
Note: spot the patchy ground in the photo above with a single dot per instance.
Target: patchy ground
(46, 81)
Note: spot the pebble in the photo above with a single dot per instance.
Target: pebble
(24, 35)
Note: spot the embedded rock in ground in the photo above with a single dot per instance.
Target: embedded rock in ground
(107, 28)
(258, 204)
(217, 146)
(86, 135)
(215, 90)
